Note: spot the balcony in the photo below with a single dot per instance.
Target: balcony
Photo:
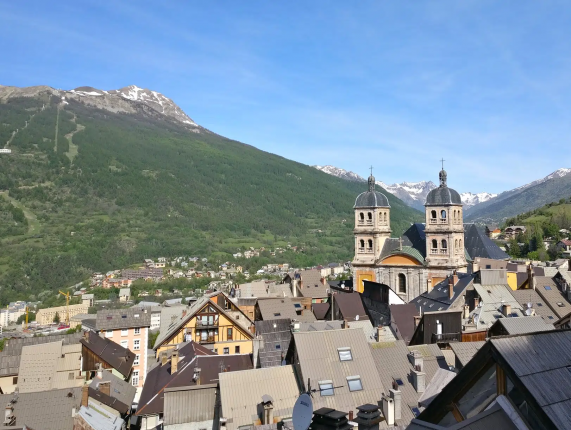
(434, 251)
(369, 250)
(444, 252)
(433, 221)
(361, 250)
(443, 221)
(446, 337)
(206, 323)
(208, 339)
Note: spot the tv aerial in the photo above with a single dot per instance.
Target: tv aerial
(303, 408)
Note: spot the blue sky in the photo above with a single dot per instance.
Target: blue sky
(398, 85)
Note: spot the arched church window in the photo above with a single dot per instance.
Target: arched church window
(385, 217)
(362, 243)
(460, 243)
(402, 283)
(433, 214)
(434, 244)
(370, 243)
(456, 244)
(362, 216)
(369, 216)
(443, 214)
(444, 244)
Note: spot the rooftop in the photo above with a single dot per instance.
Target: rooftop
(114, 319)
(121, 359)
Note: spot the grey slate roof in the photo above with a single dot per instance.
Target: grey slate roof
(413, 241)
(522, 325)
(391, 361)
(371, 199)
(438, 299)
(44, 410)
(274, 309)
(10, 355)
(369, 331)
(443, 196)
(321, 326)
(549, 292)
(311, 284)
(464, 351)
(477, 244)
(277, 338)
(121, 392)
(114, 319)
(402, 321)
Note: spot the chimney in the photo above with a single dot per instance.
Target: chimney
(416, 321)
(350, 415)
(368, 417)
(105, 387)
(396, 395)
(85, 395)
(323, 281)
(506, 310)
(429, 284)
(268, 404)
(388, 410)
(455, 277)
(476, 302)
(164, 358)
(450, 287)
(329, 419)
(418, 381)
(416, 360)
(466, 311)
(174, 362)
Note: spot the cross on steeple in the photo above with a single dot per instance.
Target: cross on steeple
(371, 168)
(400, 243)
(443, 160)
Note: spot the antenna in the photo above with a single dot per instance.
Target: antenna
(302, 412)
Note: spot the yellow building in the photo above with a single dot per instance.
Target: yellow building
(47, 315)
(214, 321)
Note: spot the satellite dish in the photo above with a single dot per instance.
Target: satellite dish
(356, 317)
(528, 312)
(302, 412)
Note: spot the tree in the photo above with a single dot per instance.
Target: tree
(514, 249)
(92, 310)
(153, 338)
(22, 318)
(56, 318)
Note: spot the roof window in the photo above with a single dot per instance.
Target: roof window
(345, 354)
(399, 382)
(297, 305)
(123, 316)
(277, 314)
(415, 411)
(326, 388)
(547, 287)
(278, 346)
(540, 304)
(354, 383)
(560, 304)
(550, 317)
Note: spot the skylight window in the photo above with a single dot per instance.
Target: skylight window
(432, 304)
(297, 305)
(561, 305)
(547, 287)
(399, 382)
(415, 411)
(550, 317)
(345, 354)
(540, 304)
(354, 383)
(277, 314)
(326, 388)
(278, 346)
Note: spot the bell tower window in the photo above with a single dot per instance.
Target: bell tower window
(444, 247)
(361, 218)
(402, 283)
(433, 219)
(434, 249)
(370, 245)
(362, 245)
(369, 218)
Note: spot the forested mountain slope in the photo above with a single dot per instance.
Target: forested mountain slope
(89, 188)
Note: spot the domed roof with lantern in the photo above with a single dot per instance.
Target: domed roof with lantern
(443, 195)
(372, 198)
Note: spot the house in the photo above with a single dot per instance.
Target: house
(45, 410)
(564, 247)
(407, 373)
(308, 283)
(130, 329)
(102, 353)
(189, 365)
(214, 321)
(46, 316)
(261, 288)
(10, 356)
(124, 294)
(493, 302)
(87, 299)
(526, 375)
(116, 282)
(551, 295)
(514, 230)
(529, 299)
(441, 327)
(272, 309)
(258, 397)
(519, 325)
(451, 293)
(50, 366)
(340, 365)
(88, 418)
(112, 394)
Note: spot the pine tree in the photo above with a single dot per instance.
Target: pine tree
(56, 318)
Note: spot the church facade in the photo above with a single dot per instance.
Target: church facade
(427, 252)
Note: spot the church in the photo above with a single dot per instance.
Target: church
(427, 252)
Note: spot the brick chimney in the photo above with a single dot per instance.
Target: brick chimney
(174, 362)
(455, 277)
(419, 381)
(450, 287)
(105, 387)
(506, 310)
(85, 395)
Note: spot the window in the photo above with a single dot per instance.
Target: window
(415, 411)
(444, 244)
(215, 350)
(125, 332)
(278, 346)
(433, 214)
(362, 216)
(135, 378)
(326, 388)
(434, 244)
(136, 362)
(14, 380)
(229, 334)
(277, 314)
(125, 344)
(226, 351)
(369, 216)
(345, 354)
(399, 382)
(362, 243)
(370, 244)
(70, 376)
(402, 283)
(547, 287)
(354, 383)
(443, 214)
(109, 333)
(237, 350)
(488, 266)
(560, 304)
(385, 217)
(138, 330)
(550, 317)
(137, 344)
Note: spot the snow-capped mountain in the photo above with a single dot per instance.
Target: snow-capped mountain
(341, 173)
(412, 193)
(559, 173)
(131, 99)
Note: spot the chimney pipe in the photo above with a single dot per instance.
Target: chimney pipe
(85, 395)
(429, 284)
(350, 415)
(396, 395)
(418, 381)
(476, 302)
(416, 360)
(506, 310)
(455, 277)
(389, 410)
(466, 311)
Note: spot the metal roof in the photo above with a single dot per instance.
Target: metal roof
(241, 393)
(320, 310)
(319, 360)
(321, 326)
(550, 293)
(524, 297)
(391, 361)
(121, 392)
(492, 298)
(369, 331)
(477, 244)
(44, 410)
(114, 319)
(443, 196)
(274, 309)
(277, 338)
(402, 320)
(371, 199)
(493, 277)
(522, 325)
(438, 299)
(121, 359)
(440, 379)
(97, 420)
(350, 305)
(263, 289)
(312, 285)
(177, 401)
(464, 351)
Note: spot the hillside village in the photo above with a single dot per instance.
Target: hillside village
(434, 328)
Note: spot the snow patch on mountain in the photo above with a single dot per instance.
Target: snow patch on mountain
(559, 173)
(471, 199)
(341, 173)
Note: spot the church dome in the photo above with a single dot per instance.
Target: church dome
(443, 195)
(372, 198)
